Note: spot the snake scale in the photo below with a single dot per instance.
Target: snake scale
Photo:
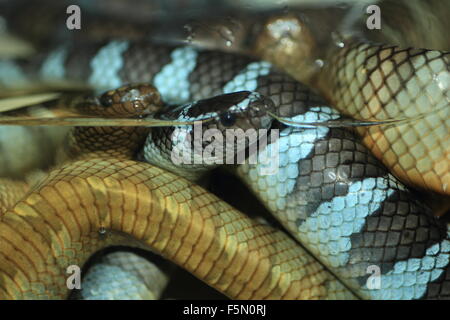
(330, 193)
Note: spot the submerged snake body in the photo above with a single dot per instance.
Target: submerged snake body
(383, 225)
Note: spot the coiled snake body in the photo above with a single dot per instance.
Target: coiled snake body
(329, 192)
(374, 82)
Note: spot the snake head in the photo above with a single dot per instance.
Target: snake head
(224, 128)
(242, 110)
(235, 121)
(131, 100)
(238, 110)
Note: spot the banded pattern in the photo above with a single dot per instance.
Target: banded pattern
(344, 206)
(383, 224)
(207, 74)
(177, 219)
(375, 82)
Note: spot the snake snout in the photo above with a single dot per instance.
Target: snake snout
(132, 100)
(259, 112)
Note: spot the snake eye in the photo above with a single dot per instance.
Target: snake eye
(227, 119)
(106, 99)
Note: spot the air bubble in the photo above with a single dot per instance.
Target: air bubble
(319, 63)
(227, 34)
(337, 39)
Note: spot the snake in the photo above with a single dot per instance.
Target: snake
(388, 226)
